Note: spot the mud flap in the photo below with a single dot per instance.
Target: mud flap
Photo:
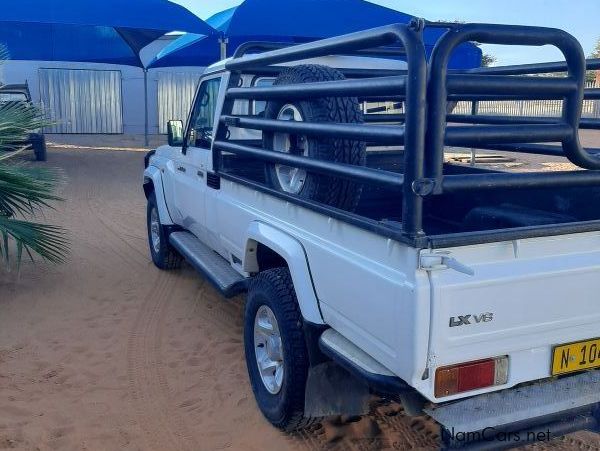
(331, 390)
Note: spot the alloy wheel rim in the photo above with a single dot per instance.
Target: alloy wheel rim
(290, 179)
(268, 349)
(155, 230)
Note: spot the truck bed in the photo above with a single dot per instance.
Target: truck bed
(464, 212)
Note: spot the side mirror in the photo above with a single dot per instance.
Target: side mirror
(175, 133)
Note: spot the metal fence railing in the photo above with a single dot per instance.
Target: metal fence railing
(518, 108)
(537, 108)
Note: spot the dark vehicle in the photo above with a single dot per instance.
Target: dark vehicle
(36, 141)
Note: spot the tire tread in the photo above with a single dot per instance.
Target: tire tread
(280, 282)
(331, 191)
(168, 259)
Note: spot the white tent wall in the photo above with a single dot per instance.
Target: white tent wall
(82, 100)
(131, 81)
(177, 95)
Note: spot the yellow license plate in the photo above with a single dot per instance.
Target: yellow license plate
(583, 355)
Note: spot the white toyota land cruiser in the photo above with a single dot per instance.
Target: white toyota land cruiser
(313, 178)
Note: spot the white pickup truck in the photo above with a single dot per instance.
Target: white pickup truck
(313, 178)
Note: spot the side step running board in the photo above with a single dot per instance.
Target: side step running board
(360, 364)
(216, 269)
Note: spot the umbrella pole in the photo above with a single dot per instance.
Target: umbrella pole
(223, 41)
(146, 137)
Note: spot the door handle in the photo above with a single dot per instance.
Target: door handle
(200, 174)
(181, 169)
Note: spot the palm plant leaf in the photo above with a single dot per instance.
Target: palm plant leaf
(49, 242)
(25, 190)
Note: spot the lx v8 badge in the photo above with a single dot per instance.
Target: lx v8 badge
(466, 320)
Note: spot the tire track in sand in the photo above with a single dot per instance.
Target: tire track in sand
(385, 427)
(158, 418)
(114, 231)
(154, 414)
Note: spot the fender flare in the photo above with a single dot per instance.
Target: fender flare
(153, 175)
(292, 251)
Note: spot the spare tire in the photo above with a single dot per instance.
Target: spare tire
(328, 190)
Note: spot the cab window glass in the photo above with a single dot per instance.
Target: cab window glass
(259, 106)
(203, 117)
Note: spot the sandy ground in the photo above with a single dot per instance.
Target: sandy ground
(108, 353)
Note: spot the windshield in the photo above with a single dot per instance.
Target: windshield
(12, 97)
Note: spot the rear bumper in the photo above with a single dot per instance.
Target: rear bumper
(510, 418)
(532, 432)
(534, 413)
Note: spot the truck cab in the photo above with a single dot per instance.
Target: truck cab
(313, 179)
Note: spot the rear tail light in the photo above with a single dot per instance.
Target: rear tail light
(450, 380)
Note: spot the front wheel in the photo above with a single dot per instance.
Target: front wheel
(163, 254)
(276, 354)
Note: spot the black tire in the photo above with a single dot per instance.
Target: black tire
(165, 256)
(285, 410)
(38, 144)
(331, 191)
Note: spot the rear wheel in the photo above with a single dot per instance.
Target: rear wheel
(38, 143)
(163, 254)
(276, 354)
(331, 191)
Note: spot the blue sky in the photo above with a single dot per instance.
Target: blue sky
(579, 17)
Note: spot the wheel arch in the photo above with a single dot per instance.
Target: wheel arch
(153, 183)
(148, 186)
(283, 249)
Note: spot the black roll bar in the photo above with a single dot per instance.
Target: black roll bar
(346, 171)
(509, 85)
(360, 87)
(454, 183)
(508, 35)
(412, 87)
(501, 134)
(376, 37)
(425, 100)
(381, 134)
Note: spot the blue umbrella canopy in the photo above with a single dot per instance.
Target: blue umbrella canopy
(109, 31)
(304, 20)
(188, 50)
